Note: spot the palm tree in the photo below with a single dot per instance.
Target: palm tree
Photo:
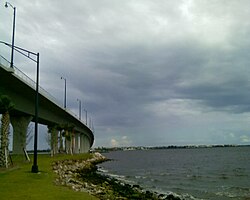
(5, 106)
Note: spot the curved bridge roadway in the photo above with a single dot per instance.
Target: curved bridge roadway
(22, 92)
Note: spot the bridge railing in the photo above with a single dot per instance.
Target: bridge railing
(28, 80)
(32, 83)
(21, 75)
(4, 61)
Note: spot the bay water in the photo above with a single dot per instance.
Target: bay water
(221, 173)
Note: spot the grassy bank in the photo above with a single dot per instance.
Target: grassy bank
(18, 182)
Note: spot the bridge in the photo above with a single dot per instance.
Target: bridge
(22, 91)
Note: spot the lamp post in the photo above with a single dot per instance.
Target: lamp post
(35, 166)
(80, 108)
(7, 4)
(86, 115)
(65, 83)
(30, 55)
(90, 122)
(93, 129)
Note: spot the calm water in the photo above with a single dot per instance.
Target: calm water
(204, 173)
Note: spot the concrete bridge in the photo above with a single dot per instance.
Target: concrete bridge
(22, 90)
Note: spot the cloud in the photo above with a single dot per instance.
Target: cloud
(245, 138)
(159, 71)
(114, 143)
(123, 141)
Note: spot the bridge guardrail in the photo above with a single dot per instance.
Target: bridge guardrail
(28, 80)
(4, 62)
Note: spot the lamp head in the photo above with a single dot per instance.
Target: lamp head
(6, 5)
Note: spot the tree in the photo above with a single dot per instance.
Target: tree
(5, 106)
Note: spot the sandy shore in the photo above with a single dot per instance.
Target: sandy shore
(80, 175)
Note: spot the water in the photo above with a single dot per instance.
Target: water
(203, 173)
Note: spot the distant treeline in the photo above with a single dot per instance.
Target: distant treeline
(107, 149)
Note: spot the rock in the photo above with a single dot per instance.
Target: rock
(161, 196)
(172, 197)
(136, 186)
(148, 194)
(80, 175)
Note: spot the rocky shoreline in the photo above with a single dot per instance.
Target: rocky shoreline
(80, 175)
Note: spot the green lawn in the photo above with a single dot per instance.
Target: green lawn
(18, 182)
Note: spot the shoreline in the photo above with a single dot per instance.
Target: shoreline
(82, 176)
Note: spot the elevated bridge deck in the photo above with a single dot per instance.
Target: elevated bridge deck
(21, 90)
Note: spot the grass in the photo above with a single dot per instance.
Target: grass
(18, 182)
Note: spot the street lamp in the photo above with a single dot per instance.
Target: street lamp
(7, 4)
(80, 108)
(35, 166)
(30, 54)
(86, 114)
(64, 91)
(93, 129)
(90, 122)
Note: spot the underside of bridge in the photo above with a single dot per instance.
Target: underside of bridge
(80, 138)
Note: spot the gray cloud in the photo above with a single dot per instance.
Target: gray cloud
(151, 73)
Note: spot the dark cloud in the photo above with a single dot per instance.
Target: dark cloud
(149, 73)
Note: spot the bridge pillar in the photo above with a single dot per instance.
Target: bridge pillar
(76, 147)
(81, 143)
(68, 146)
(84, 144)
(20, 125)
(60, 142)
(68, 142)
(53, 139)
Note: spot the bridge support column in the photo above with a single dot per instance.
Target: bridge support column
(68, 142)
(20, 125)
(84, 144)
(81, 143)
(76, 147)
(53, 139)
(60, 142)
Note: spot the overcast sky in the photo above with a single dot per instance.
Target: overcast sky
(148, 72)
